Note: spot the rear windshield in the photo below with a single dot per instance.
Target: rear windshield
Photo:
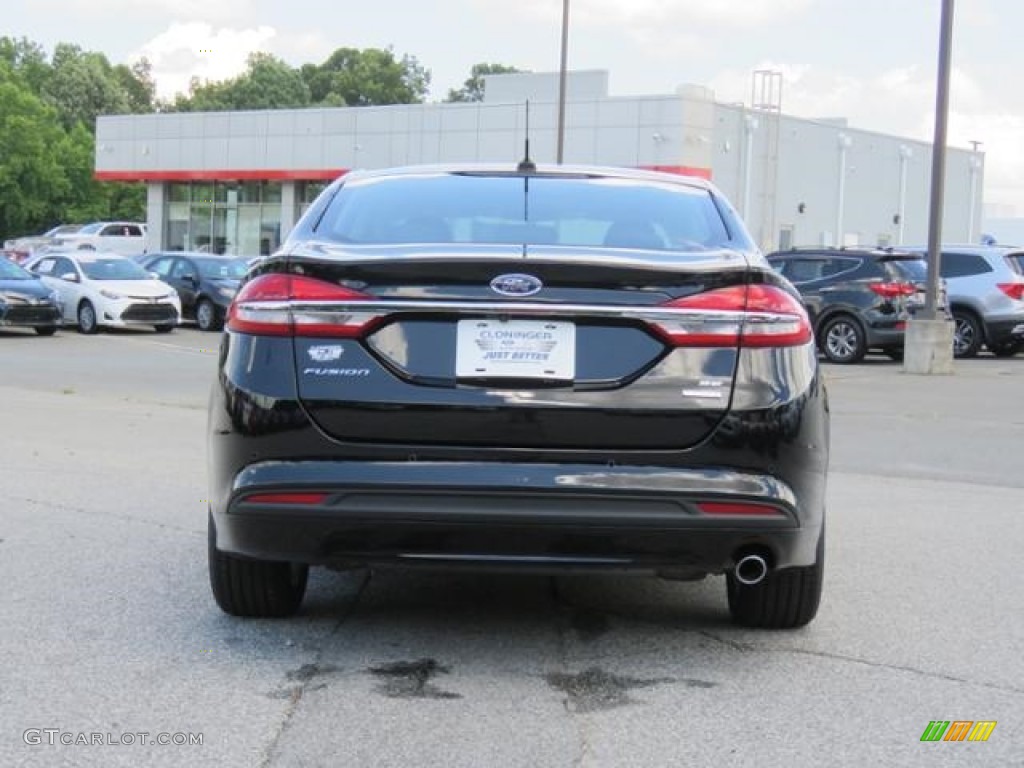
(536, 210)
(912, 270)
(223, 269)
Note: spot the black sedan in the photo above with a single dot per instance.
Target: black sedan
(519, 368)
(205, 283)
(26, 302)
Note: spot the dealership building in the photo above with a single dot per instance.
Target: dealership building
(236, 182)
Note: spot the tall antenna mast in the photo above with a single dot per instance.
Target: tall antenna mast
(526, 165)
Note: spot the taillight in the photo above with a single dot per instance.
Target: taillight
(893, 290)
(306, 499)
(1013, 290)
(748, 316)
(289, 305)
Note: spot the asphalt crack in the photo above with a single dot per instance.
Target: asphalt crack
(58, 507)
(306, 674)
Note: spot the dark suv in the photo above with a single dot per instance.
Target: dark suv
(858, 299)
(519, 368)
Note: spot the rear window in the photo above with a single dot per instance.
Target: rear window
(1016, 262)
(535, 210)
(910, 270)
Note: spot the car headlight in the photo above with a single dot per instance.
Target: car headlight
(227, 293)
(54, 297)
(170, 296)
(110, 294)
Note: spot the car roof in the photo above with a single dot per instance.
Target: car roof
(541, 169)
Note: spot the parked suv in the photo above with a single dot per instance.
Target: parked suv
(519, 368)
(986, 297)
(858, 299)
(125, 237)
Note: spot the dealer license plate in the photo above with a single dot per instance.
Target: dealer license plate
(520, 349)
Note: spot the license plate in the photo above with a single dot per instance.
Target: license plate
(521, 349)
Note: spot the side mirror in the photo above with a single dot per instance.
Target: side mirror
(70, 277)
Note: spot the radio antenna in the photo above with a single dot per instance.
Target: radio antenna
(526, 165)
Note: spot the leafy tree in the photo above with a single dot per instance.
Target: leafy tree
(473, 88)
(32, 179)
(267, 83)
(82, 86)
(359, 78)
(138, 85)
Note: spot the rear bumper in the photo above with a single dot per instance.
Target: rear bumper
(450, 513)
(1002, 330)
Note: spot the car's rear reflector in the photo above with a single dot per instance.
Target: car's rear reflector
(738, 508)
(286, 305)
(740, 315)
(1013, 290)
(304, 499)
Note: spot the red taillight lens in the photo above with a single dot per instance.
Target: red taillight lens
(749, 316)
(893, 290)
(286, 305)
(1013, 290)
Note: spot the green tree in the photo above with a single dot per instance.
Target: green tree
(83, 85)
(26, 60)
(473, 88)
(267, 83)
(372, 76)
(136, 81)
(32, 180)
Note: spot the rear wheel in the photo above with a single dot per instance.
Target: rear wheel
(48, 331)
(967, 333)
(843, 340)
(206, 316)
(256, 588)
(1006, 349)
(87, 318)
(784, 599)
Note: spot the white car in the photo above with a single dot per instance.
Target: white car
(125, 237)
(105, 289)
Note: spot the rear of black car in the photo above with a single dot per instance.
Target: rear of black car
(546, 369)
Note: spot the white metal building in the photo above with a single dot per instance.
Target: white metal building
(237, 181)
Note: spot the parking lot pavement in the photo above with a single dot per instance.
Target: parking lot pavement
(108, 626)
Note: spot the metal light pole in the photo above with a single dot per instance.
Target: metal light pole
(562, 76)
(928, 347)
(939, 161)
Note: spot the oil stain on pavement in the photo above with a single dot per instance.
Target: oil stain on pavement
(411, 680)
(594, 690)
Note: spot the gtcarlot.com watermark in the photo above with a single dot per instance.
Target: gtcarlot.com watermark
(53, 736)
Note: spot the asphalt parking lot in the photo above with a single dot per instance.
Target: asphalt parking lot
(109, 627)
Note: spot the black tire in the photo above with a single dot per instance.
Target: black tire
(254, 588)
(1006, 349)
(894, 353)
(47, 331)
(87, 322)
(967, 334)
(163, 328)
(785, 599)
(842, 340)
(206, 316)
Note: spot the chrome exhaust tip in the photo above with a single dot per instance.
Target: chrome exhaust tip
(751, 570)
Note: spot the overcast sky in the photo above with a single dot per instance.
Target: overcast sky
(873, 61)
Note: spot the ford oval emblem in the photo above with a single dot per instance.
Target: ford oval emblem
(516, 285)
